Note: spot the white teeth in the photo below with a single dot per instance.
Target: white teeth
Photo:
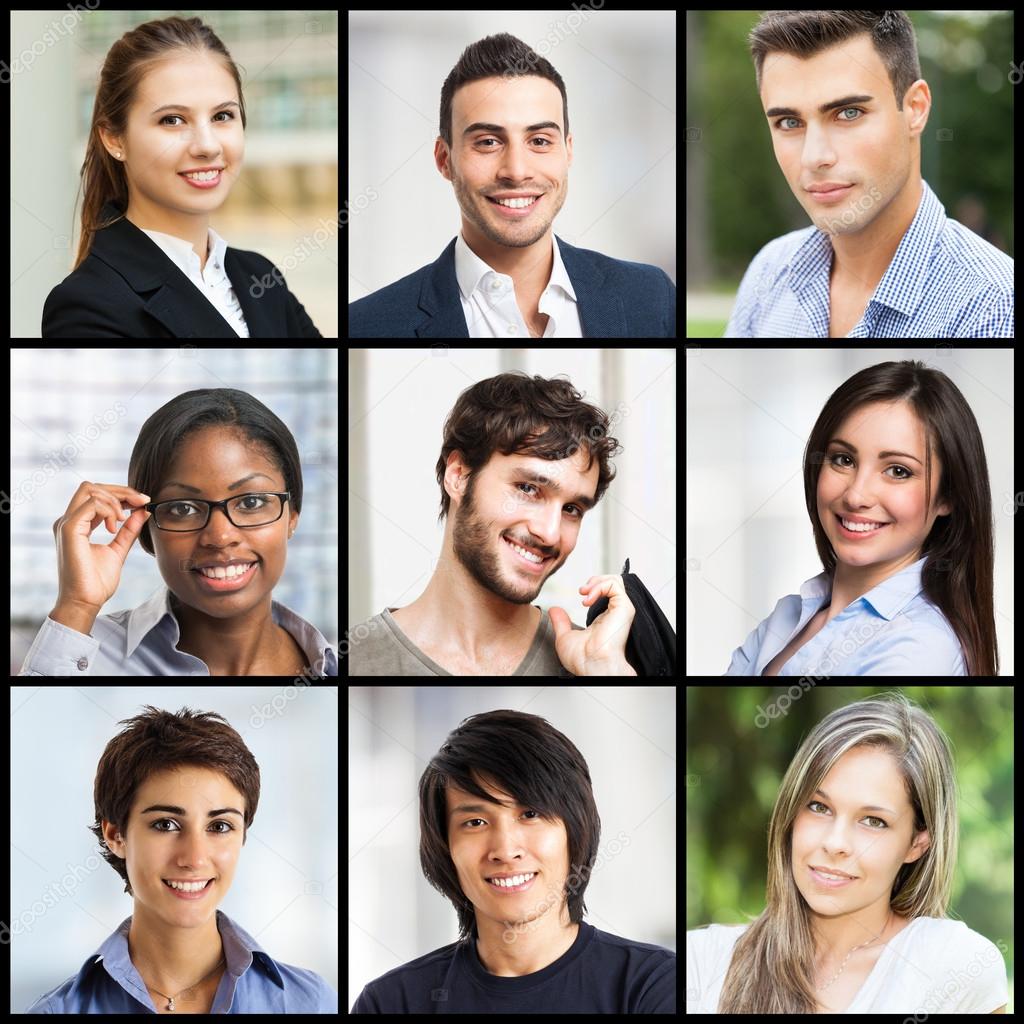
(862, 527)
(221, 573)
(203, 175)
(187, 886)
(511, 883)
(517, 204)
(528, 555)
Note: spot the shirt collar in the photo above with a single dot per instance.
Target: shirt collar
(157, 614)
(181, 253)
(903, 282)
(888, 599)
(241, 950)
(470, 270)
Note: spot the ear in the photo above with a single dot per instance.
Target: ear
(456, 476)
(919, 847)
(114, 840)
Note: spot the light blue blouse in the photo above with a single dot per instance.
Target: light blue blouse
(892, 630)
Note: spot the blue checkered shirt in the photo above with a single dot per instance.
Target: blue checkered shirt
(944, 282)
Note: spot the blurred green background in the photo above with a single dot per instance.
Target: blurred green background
(739, 743)
(737, 198)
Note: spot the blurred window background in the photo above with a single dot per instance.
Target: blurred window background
(75, 416)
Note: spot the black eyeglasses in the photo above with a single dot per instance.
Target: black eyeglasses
(186, 515)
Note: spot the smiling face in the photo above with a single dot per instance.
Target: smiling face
(862, 139)
(203, 129)
(490, 839)
(859, 823)
(859, 480)
(214, 464)
(535, 504)
(185, 824)
(507, 139)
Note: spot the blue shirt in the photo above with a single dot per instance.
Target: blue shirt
(598, 973)
(143, 642)
(943, 282)
(252, 983)
(892, 630)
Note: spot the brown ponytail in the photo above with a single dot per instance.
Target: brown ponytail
(103, 176)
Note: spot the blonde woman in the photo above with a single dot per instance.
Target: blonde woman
(861, 852)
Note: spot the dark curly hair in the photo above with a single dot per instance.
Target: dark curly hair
(155, 741)
(514, 413)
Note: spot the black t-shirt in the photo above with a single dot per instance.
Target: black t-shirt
(599, 973)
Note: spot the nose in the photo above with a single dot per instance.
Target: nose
(819, 153)
(514, 166)
(204, 142)
(506, 844)
(219, 530)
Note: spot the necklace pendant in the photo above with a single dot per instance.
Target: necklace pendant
(170, 1004)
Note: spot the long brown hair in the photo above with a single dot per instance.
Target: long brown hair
(772, 963)
(103, 177)
(957, 576)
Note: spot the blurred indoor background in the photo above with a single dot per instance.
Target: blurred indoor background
(619, 69)
(748, 538)
(627, 736)
(66, 900)
(76, 414)
(284, 204)
(398, 402)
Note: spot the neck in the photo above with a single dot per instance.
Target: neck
(192, 227)
(234, 646)
(853, 581)
(170, 959)
(861, 259)
(836, 937)
(469, 616)
(538, 944)
(529, 266)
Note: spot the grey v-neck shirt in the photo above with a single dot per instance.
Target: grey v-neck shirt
(378, 647)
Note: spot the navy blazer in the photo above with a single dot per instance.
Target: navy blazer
(615, 299)
(127, 287)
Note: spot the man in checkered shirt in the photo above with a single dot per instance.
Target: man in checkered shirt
(843, 94)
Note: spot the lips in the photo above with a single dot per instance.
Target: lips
(832, 871)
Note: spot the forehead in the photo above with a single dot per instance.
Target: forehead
(885, 424)
(850, 68)
(513, 103)
(216, 453)
(193, 80)
(187, 786)
(866, 775)
(570, 474)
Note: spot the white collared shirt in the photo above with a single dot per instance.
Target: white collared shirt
(212, 280)
(489, 299)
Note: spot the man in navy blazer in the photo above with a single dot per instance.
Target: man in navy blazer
(505, 146)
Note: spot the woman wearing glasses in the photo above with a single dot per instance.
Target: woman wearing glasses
(215, 495)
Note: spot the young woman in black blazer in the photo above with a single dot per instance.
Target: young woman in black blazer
(165, 147)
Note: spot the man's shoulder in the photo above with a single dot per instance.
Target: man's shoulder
(410, 987)
(773, 256)
(976, 257)
(614, 271)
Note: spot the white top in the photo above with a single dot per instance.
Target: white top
(212, 280)
(489, 299)
(934, 965)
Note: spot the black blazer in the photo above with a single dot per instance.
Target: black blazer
(127, 288)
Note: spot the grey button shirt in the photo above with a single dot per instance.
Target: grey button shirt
(143, 642)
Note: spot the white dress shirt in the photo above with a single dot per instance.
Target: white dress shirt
(489, 299)
(212, 280)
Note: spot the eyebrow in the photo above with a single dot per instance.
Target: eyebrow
(196, 490)
(168, 809)
(881, 455)
(534, 477)
(482, 126)
(823, 109)
(188, 110)
(866, 807)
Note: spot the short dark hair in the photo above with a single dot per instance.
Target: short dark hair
(537, 766)
(162, 434)
(514, 413)
(155, 741)
(804, 33)
(501, 55)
